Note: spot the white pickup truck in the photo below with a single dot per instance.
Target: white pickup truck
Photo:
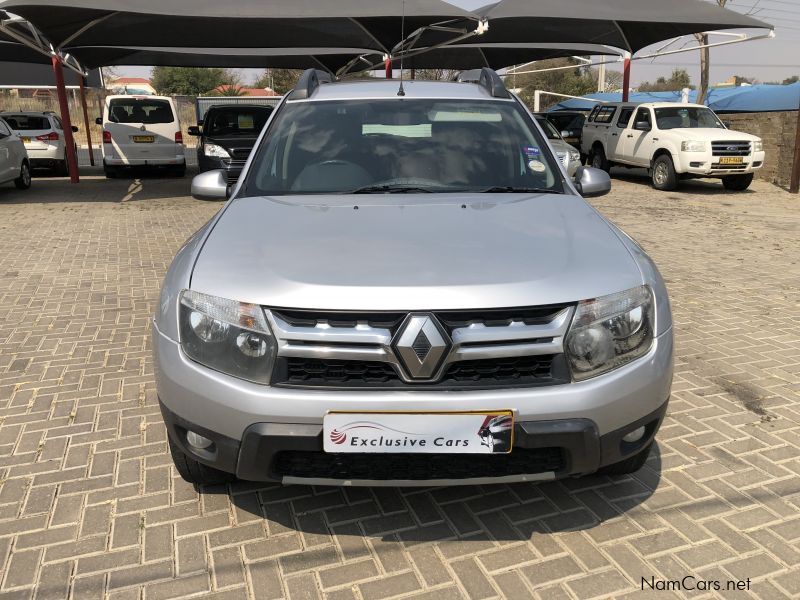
(673, 141)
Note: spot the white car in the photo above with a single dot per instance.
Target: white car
(141, 131)
(14, 164)
(43, 136)
(673, 141)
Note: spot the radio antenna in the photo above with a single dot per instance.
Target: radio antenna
(401, 91)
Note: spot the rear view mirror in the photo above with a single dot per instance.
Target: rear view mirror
(210, 185)
(592, 182)
(99, 120)
(193, 130)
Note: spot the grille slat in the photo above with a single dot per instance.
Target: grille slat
(417, 466)
(735, 148)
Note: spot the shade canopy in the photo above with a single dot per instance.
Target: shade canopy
(496, 56)
(627, 24)
(373, 24)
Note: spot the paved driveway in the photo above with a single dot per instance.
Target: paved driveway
(91, 507)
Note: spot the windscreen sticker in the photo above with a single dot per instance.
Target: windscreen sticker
(536, 166)
(531, 152)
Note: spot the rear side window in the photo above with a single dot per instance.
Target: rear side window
(135, 110)
(27, 122)
(593, 114)
(605, 114)
(624, 117)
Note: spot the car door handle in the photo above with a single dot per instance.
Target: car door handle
(655, 139)
(614, 134)
(630, 135)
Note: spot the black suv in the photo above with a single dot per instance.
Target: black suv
(227, 135)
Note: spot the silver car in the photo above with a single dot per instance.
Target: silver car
(14, 164)
(405, 288)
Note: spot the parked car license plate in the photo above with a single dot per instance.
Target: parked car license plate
(489, 432)
(730, 160)
(144, 139)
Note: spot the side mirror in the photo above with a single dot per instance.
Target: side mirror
(642, 126)
(99, 120)
(193, 130)
(566, 134)
(74, 129)
(592, 182)
(210, 185)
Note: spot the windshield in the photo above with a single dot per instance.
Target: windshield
(27, 122)
(232, 120)
(374, 146)
(687, 117)
(548, 128)
(137, 110)
(567, 122)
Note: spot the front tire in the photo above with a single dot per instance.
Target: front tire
(23, 182)
(193, 471)
(664, 176)
(629, 465)
(737, 183)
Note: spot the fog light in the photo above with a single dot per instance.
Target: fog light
(634, 436)
(197, 441)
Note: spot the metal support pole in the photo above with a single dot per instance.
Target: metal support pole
(86, 119)
(794, 185)
(69, 142)
(626, 77)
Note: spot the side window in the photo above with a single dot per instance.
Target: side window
(642, 117)
(593, 114)
(605, 114)
(3, 129)
(624, 117)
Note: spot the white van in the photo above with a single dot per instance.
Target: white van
(141, 131)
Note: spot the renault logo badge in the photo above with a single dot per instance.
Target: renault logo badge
(421, 345)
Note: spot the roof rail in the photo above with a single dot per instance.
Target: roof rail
(309, 81)
(487, 78)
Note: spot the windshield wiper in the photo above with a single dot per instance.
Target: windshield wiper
(391, 189)
(508, 189)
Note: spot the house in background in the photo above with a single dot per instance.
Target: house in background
(138, 86)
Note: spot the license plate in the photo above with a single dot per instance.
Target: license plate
(731, 160)
(489, 432)
(26, 140)
(144, 139)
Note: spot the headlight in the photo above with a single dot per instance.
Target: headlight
(758, 146)
(215, 151)
(693, 146)
(609, 332)
(227, 336)
(574, 156)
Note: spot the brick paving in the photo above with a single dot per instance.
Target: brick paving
(91, 507)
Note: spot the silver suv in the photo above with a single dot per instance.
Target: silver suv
(405, 288)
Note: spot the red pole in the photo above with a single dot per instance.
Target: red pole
(388, 63)
(69, 150)
(626, 78)
(86, 120)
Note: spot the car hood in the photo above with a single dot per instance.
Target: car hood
(412, 252)
(561, 146)
(714, 134)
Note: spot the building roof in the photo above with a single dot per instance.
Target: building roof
(244, 91)
(123, 80)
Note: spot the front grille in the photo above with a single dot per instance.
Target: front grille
(303, 318)
(528, 371)
(563, 158)
(234, 170)
(240, 153)
(416, 467)
(503, 317)
(730, 148)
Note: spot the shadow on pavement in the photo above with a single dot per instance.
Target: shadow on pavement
(470, 513)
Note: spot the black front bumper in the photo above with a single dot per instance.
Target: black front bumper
(271, 452)
(232, 168)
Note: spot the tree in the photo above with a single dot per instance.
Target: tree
(705, 60)
(188, 81)
(432, 74)
(678, 80)
(613, 80)
(575, 81)
(791, 80)
(280, 81)
(741, 79)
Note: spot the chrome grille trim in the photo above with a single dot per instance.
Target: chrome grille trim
(473, 342)
(733, 148)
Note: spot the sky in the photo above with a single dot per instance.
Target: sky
(765, 60)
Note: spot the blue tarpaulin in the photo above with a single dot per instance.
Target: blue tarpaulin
(762, 97)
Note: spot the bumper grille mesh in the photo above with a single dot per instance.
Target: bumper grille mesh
(417, 467)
